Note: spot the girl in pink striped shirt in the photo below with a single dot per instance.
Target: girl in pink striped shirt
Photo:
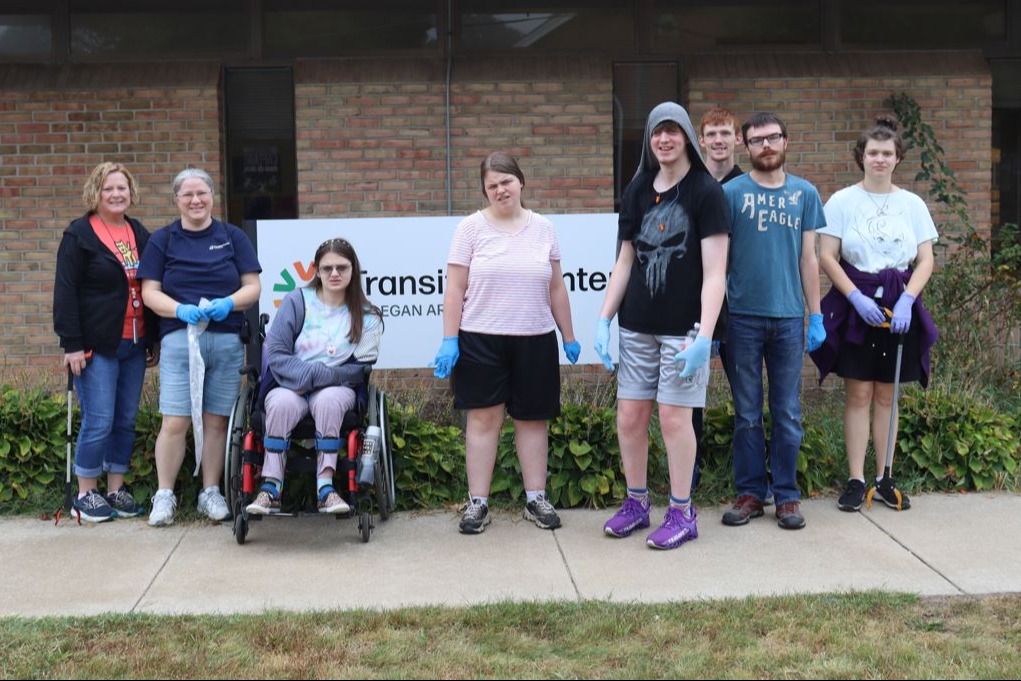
(505, 296)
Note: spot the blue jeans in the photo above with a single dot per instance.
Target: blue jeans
(780, 342)
(108, 391)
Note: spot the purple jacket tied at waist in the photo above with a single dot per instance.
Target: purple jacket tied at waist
(844, 325)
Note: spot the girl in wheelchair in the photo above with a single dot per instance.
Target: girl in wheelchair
(319, 346)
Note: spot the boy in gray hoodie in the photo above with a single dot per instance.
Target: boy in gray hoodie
(669, 280)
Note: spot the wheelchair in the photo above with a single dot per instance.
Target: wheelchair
(244, 453)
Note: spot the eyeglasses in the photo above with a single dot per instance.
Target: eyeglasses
(773, 139)
(330, 269)
(201, 196)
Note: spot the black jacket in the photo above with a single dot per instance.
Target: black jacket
(90, 291)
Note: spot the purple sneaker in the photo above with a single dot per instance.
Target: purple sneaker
(633, 515)
(675, 530)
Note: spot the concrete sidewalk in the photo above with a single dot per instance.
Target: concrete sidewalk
(945, 545)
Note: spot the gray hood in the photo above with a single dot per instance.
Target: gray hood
(669, 111)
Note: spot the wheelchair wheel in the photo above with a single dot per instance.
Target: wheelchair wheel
(240, 527)
(379, 416)
(237, 425)
(365, 525)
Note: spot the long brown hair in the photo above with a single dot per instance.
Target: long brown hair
(354, 297)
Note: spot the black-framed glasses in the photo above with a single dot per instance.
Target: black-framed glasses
(773, 140)
(328, 270)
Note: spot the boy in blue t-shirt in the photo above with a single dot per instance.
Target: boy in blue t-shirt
(772, 270)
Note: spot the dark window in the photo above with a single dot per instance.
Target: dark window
(637, 88)
(1006, 166)
(262, 176)
(910, 24)
(182, 28)
(691, 25)
(316, 28)
(552, 27)
(25, 35)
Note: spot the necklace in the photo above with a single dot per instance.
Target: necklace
(128, 239)
(880, 210)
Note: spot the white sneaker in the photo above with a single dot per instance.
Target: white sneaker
(163, 506)
(212, 504)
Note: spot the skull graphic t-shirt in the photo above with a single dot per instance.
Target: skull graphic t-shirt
(663, 295)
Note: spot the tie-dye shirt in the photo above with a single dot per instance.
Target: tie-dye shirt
(324, 336)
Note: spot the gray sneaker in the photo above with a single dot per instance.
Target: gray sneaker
(164, 503)
(475, 518)
(124, 504)
(212, 504)
(541, 513)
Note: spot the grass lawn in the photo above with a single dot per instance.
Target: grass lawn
(861, 636)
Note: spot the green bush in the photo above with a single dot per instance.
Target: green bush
(33, 427)
(584, 460)
(428, 461)
(948, 441)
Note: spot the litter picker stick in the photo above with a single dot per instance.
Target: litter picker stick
(890, 437)
(66, 505)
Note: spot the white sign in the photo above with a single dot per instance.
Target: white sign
(404, 271)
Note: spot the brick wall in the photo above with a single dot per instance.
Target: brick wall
(371, 134)
(826, 103)
(51, 137)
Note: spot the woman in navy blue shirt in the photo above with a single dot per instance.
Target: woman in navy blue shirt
(198, 272)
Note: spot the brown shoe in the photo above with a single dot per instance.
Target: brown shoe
(788, 515)
(744, 509)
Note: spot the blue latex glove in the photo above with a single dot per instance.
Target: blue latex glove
(446, 358)
(867, 308)
(572, 350)
(816, 332)
(190, 314)
(695, 356)
(902, 313)
(218, 309)
(602, 342)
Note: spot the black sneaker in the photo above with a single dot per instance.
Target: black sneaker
(853, 496)
(886, 491)
(541, 513)
(93, 507)
(475, 518)
(124, 504)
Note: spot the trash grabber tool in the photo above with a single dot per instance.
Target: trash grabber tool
(66, 505)
(890, 438)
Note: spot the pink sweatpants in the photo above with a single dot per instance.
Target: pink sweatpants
(285, 409)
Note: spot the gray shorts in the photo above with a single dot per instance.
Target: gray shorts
(647, 371)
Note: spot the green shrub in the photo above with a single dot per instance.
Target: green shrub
(33, 427)
(948, 441)
(428, 461)
(584, 460)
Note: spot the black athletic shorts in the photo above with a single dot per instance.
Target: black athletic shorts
(522, 372)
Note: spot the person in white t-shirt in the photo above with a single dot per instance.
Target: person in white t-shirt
(504, 297)
(876, 248)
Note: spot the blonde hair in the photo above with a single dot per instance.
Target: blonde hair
(94, 185)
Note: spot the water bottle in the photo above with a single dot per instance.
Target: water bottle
(686, 342)
(370, 453)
